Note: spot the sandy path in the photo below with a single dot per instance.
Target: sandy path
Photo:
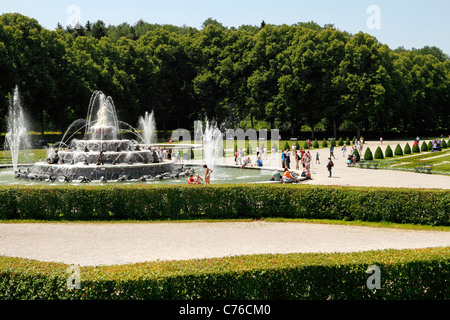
(344, 176)
(120, 243)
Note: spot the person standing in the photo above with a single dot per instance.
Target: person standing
(330, 165)
(288, 159)
(344, 150)
(283, 159)
(208, 172)
(265, 152)
(332, 151)
(317, 157)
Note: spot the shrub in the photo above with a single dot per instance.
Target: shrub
(407, 149)
(249, 149)
(398, 150)
(305, 145)
(353, 140)
(368, 154)
(424, 147)
(183, 202)
(324, 143)
(316, 144)
(409, 274)
(357, 155)
(286, 146)
(443, 144)
(379, 153)
(415, 148)
(430, 146)
(340, 142)
(388, 152)
(347, 141)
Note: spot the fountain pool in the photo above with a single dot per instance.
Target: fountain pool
(221, 175)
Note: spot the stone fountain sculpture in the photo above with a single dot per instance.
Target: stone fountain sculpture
(102, 154)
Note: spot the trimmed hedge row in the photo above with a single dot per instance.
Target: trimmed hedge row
(254, 201)
(404, 274)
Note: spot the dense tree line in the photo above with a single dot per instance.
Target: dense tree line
(288, 77)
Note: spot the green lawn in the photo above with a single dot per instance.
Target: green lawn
(440, 161)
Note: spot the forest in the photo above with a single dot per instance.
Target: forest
(303, 79)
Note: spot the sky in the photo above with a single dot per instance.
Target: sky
(411, 24)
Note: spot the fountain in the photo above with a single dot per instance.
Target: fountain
(147, 125)
(212, 141)
(103, 154)
(17, 134)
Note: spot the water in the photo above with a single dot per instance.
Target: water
(221, 175)
(17, 131)
(147, 125)
(212, 141)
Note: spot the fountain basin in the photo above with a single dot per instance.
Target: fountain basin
(109, 172)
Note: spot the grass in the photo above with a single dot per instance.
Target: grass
(356, 223)
(440, 161)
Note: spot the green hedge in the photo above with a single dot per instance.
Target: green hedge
(254, 201)
(404, 274)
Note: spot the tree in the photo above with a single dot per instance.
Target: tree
(407, 149)
(368, 154)
(99, 30)
(388, 152)
(379, 153)
(398, 150)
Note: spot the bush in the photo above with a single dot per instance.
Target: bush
(305, 145)
(297, 145)
(416, 149)
(340, 142)
(424, 147)
(357, 155)
(407, 149)
(249, 149)
(368, 154)
(316, 144)
(332, 142)
(388, 152)
(183, 202)
(410, 274)
(443, 144)
(286, 146)
(398, 150)
(347, 141)
(430, 146)
(324, 143)
(353, 140)
(379, 153)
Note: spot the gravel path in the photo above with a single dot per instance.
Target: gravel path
(92, 244)
(120, 243)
